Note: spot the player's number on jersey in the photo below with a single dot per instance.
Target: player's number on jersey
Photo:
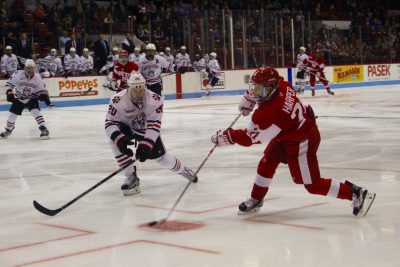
(298, 111)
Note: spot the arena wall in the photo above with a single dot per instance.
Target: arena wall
(88, 90)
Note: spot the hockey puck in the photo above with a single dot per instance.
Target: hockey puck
(172, 226)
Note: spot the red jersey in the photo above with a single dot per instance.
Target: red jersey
(314, 64)
(122, 72)
(283, 118)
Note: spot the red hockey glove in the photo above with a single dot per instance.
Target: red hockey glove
(223, 138)
(247, 104)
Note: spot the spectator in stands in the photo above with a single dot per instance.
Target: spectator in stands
(11, 40)
(63, 40)
(8, 63)
(24, 46)
(128, 44)
(76, 43)
(101, 51)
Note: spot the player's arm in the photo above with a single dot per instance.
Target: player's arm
(153, 129)
(10, 85)
(247, 103)
(112, 128)
(3, 66)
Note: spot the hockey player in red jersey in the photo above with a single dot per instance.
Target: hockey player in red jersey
(122, 70)
(289, 130)
(316, 65)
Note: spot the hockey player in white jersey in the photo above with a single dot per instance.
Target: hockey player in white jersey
(135, 114)
(24, 90)
(135, 56)
(86, 62)
(9, 63)
(151, 66)
(214, 72)
(72, 63)
(168, 56)
(202, 64)
(54, 64)
(182, 60)
(301, 70)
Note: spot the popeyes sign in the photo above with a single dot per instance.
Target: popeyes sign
(378, 72)
(78, 86)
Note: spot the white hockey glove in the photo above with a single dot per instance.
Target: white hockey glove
(247, 104)
(113, 85)
(222, 138)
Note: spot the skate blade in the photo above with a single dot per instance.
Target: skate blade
(255, 210)
(369, 199)
(45, 137)
(132, 191)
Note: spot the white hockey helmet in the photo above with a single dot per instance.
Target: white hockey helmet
(85, 51)
(302, 49)
(72, 50)
(151, 46)
(167, 49)
(8, 47)
(30, 66)
(53, 52)
(115, 49)
(213, 55)
(136, 87)
(183, 47)
(137, 49)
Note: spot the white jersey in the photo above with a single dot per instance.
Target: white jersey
(143, 119)
(86, 63)
(72, 63)
(111, 59)
(134, 58)
(151, 69)
(170, 59)
(9, 64)
(300, 61)
(200, 65)
(54, 64)
(214, 68)
(25, 88)
(182, 60)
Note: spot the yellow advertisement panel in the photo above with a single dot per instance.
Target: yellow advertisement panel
(348, 74)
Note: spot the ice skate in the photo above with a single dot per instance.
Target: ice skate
(362, 201)
(207, 95)
(250, 206)
(5, 134)
(312, 92)
(189, 174)
(330, 92)
(131, 185)
(44, 133)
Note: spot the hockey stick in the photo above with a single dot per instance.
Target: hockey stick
(153, 223)
(50, 212)
(87, 91)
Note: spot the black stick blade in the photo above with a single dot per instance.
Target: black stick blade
(44, 210)
(156, 222)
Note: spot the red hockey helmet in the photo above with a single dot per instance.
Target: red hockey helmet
(123, 57)
(264, 82)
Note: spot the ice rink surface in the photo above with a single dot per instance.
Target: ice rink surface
(360, 141)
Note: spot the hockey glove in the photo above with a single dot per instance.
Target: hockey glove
(182, 69)
(144, 150)
(10, 96)
(122, 142)
(223, 138)
(247, 104)
(45, 99)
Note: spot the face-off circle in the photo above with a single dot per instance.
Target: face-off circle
(173, 226)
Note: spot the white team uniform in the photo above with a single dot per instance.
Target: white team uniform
(151, 69)
(143, 119)
(201, 65)
(301, 72)
(9, 64)
(87, 63)
(54, 64)
(134, 58)
(215, 70)
(111, 59)
(26, 89)
(72, 63)
(182, 60)
(300, 61)
(170, 59)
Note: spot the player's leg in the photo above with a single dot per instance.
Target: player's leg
(170, 162)
(303, 165)
(131, 183)
(265, 172)
(325, 83)
(300, 81)
(312, 83)
(34, 109)
(15, 110)
(155, 88)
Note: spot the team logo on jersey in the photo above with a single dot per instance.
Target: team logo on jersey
(26, 91)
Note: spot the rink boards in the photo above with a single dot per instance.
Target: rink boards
(89, 90)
